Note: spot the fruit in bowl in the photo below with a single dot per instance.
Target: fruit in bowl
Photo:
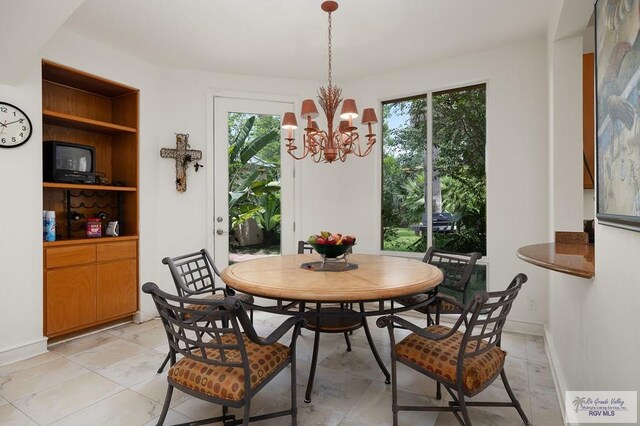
(331, 245)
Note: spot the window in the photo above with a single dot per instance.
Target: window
(435, 144)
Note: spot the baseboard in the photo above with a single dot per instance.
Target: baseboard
(556, 371)
(21, 352)
(140, 317)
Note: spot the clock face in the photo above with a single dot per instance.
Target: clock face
(15, 126)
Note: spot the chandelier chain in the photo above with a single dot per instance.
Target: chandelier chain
(329, 49)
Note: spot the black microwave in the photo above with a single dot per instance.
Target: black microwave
(68, 162)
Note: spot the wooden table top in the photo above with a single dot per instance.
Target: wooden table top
(377, 278)
(572, 259)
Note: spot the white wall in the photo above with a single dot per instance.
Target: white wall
(171, 223)
(21, 229)
(186, 99)
(517, 150)
(21, 170)
(593, 324)
(567, 160)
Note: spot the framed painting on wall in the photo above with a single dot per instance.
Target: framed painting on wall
(618, 112)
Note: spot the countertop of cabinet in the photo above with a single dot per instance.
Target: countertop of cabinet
(572, 259)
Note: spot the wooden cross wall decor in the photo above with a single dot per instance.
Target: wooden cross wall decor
(183, 156)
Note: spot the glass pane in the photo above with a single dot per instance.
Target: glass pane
(405, 222)
(459, 178)
(254, 185)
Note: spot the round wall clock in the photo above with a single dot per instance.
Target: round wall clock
(15, 126)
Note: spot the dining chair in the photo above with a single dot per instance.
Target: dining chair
(194, 275)
(457, 269)
(219, 362)
(465, 361)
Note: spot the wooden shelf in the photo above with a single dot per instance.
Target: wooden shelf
(80, 80)
(76, 241)
(79, 187)
(81, 123)
(572, 259)
(89, 282)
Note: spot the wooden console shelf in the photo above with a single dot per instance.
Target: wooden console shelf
(572, 259)
(81, 123)
(79, 187)
(103, 240)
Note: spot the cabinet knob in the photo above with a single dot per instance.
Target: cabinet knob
(219, 232)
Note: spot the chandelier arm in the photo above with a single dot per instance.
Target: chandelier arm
(291, 153)
(368, 150)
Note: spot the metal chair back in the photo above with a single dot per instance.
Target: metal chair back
(304, 247)
(489, 313)
(456, 268)
(193, 273)
(204, 334)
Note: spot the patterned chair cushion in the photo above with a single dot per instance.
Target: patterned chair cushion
(440, 357)
(228, 382)
(446, 307)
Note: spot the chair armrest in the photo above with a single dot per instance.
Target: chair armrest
(207, 291)
(390, 320)
(277, 333)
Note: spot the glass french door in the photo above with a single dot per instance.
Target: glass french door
(253, 181)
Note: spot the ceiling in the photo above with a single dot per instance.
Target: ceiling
(287, 38)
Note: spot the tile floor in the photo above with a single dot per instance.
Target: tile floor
(110, 378)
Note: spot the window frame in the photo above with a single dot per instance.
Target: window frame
(429, 173)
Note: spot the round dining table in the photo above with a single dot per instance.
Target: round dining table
(299, 278)
(376, 278)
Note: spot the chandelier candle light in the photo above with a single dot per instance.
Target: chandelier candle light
(331, 145)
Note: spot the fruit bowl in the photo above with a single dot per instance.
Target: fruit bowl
(331, 245)
(331, 251)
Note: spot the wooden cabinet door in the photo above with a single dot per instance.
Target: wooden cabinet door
(588, 116)
(70, 298)
(117, 289)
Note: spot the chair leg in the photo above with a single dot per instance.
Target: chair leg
(438, 391)
(463, 407)
(514, 400)
(164, 363)
(346, 339)
(312, 371)
(394, 390)
(454, 406)
(247, 411)
(165, 407)
(294, 398)
(251, 315)
(374, 351)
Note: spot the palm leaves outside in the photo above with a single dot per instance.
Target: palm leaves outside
(254, 173)
(457, 175)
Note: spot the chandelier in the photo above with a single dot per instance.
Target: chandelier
(334, 143)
